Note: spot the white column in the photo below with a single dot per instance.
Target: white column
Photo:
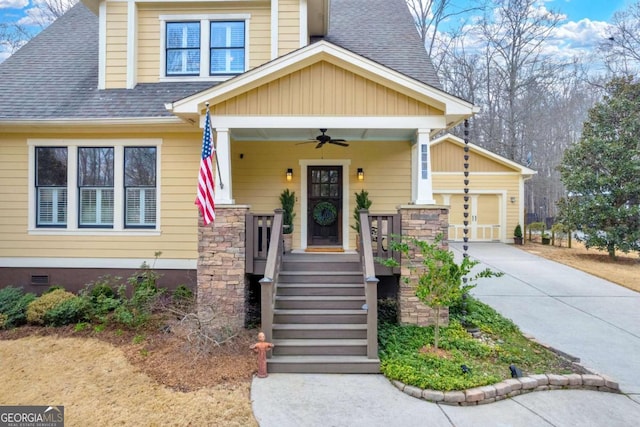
(132, 42)
(223, 155)
(421, 182)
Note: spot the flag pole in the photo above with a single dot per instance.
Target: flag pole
(215, 149)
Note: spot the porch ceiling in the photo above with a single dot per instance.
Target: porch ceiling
(300, 134)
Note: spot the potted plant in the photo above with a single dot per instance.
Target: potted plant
(362, 202)
(517, 235)
(287, 200)
(546, 239)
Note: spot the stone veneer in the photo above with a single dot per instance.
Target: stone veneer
(221, 264)
(512, 387)
(423, 222)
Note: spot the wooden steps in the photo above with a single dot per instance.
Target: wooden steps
(320, 325)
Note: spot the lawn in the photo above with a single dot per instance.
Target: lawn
(112, 375)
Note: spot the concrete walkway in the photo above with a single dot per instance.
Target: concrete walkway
(589, 318)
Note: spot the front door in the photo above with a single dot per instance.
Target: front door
(324, 215)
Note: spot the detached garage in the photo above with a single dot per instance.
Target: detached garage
(496, 190)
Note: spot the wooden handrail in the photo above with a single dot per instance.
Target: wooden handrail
(371, 284)
(269, 283)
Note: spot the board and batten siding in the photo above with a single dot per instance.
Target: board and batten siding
(312, 91)
(288, 26)
(116, 45)
(258, 171)
(148, 25)
(180, 156)
(449, 157)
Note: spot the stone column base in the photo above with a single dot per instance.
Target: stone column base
(222, 280)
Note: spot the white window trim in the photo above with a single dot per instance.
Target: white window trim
(205, 20)
(72, 186)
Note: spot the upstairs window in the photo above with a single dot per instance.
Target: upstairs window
(227, 48)
(204, 46)
(183, 48)
(51, 186)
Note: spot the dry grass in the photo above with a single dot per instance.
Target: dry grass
(624, 270)
(101, 384)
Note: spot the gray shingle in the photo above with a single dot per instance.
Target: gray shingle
(383, 31)
(55, 75)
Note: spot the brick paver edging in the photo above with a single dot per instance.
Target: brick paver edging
(512, 387)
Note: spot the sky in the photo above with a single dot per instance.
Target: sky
(584, 26)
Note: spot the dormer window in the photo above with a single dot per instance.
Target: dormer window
(227, 47)
(204, 46)
(183, 48)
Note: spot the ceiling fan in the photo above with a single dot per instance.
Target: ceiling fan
(324, 138)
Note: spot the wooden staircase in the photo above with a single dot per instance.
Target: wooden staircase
(319, 322)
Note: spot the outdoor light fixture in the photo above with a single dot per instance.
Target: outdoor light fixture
(513, 199)
(289, 174)
(360, 174)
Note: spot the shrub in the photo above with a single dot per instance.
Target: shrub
(67, 312)
(54, 288)
(387, 310)
(182, 294)
(37, 309)
(13, 306)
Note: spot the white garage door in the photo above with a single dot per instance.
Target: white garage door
(483, 215)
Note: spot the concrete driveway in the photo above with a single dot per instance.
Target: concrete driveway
(587, 317)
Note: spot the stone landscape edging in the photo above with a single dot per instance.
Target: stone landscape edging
(512, 387)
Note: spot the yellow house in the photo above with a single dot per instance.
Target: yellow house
(101, 132)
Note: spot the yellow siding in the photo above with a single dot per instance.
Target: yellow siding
(178, 238)
(116, 53)
(448, 157)
(323, 89)
(148, 24)
(259, 177)
(288, 26)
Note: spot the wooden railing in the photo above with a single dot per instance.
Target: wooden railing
(257, 241)
(383, 228)
(269, 283)
(370, 283)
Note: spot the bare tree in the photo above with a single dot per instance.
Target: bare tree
(429, 14)
(621, 51)
(14, 35)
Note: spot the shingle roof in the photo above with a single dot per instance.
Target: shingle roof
(55, 75)
(383, 31)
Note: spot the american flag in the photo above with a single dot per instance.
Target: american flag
(206, 183)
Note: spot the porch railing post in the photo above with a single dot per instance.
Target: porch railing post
(371, 285)
(269, 283)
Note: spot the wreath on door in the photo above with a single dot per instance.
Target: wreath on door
(325, 213)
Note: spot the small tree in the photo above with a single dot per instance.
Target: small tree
(602, 173)
(288, 201)
(439, 279)
(362, 202)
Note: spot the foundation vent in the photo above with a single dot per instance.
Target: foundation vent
(40, 279)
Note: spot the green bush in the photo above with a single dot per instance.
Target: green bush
(182, 294)
(387, 310)
(37, 309)
(13, 306)
(73, 310)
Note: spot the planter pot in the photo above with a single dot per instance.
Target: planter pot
(287, 240)
(518, 240)
(546, 240)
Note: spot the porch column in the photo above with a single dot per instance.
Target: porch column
(423, 223)
(223, 196)
(421, 183)
(222, 283)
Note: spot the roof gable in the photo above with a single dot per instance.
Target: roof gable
(483, 160)
(454, 109)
